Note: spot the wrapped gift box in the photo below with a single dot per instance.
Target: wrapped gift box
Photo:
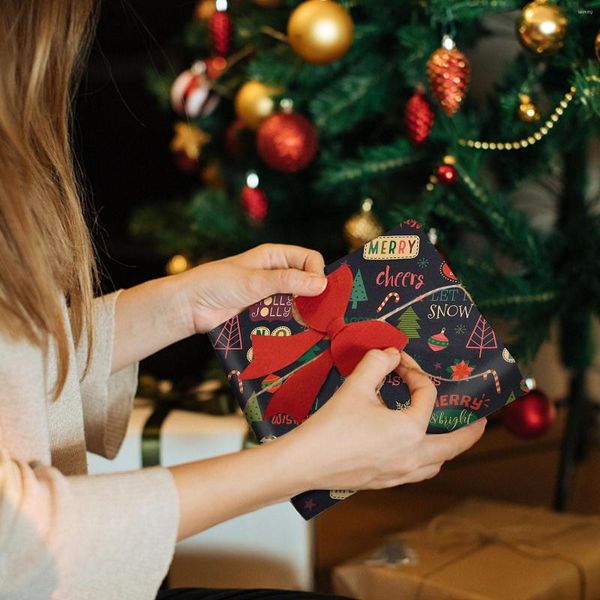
(285, 357)
(271, 547)
(482, 550)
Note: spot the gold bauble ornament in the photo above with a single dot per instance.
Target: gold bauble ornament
(597, 46)
(528, 112)
(320, 31)
(204, 10)
(177, 264)
(362, 227)
(254, 102)
(542, 27)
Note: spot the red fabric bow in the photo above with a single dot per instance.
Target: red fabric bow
(324, 315)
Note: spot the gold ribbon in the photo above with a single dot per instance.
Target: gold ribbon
(449, 533)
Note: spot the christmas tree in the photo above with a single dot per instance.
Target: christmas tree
(408, 323)
(252, 410)
(359, 294)
(289, 132)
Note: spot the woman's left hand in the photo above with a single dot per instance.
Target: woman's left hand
(216, 291)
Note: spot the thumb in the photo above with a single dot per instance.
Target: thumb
(291, 281)
(373, 368)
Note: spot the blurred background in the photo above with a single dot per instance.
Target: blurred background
(123, 144)
(123, 136)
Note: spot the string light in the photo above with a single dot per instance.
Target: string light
(530, 140)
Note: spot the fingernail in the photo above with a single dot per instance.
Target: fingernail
(317, 283)
(393, 352)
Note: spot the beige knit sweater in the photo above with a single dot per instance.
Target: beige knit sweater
(64, 534)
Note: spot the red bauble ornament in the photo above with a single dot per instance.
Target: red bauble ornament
(185, 163)
(529, 416)
(191, 93)
(447, 174)
(449, 74)
(287, 142)
(220, 28)
(254, 202)
(418, 117)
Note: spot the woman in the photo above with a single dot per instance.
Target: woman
(68, 365)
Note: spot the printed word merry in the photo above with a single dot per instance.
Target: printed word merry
(392, 247)
(404, 279)
(461, 400)
(440, 311)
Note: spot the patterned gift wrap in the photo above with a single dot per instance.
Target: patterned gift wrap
(401, 279)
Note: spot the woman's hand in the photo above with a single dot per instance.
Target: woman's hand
(355, 442)
(352, 442)
(217, 291)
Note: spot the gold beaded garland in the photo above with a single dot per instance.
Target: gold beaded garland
(529, 140)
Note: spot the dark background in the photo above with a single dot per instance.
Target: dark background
(122, 142)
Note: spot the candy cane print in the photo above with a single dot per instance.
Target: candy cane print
(236, 373)
(394, 295)
(496, 379)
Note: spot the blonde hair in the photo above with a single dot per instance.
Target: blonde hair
(45, 247)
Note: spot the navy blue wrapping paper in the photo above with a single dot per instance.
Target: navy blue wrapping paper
(400, 278)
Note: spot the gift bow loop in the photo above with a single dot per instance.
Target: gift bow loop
(324, 316)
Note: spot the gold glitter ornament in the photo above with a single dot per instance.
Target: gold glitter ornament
(320, 31)
(254, 102)
(362, 226)
(542, 27)
(528, 112)
(449, 74)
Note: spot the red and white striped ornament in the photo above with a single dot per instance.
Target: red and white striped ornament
(192, 94)
(220, 28)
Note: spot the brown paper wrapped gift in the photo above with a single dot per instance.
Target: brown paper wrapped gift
(483, 550)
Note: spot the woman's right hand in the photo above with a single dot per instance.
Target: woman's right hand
(355, 442)
(352, 442)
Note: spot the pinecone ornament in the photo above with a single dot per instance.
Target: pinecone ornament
(220, 28)
(418, 117)
(449, 73)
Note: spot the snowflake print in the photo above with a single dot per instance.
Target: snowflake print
(437, 366)
(461, 369)
(460, 329)
(423, 263)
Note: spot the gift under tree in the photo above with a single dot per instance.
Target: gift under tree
(292, 114)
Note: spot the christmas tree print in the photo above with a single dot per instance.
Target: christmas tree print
(482, 337)
(230, 337)
(359, 294)
(408, 323)
(311, 353)
(252, 410)
(511, 398)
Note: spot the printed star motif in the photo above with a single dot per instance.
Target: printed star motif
(423, 263)
(437, 366)
(461, 369)
(460, 329)
(309, 504)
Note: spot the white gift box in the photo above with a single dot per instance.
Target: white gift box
(271, 547)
